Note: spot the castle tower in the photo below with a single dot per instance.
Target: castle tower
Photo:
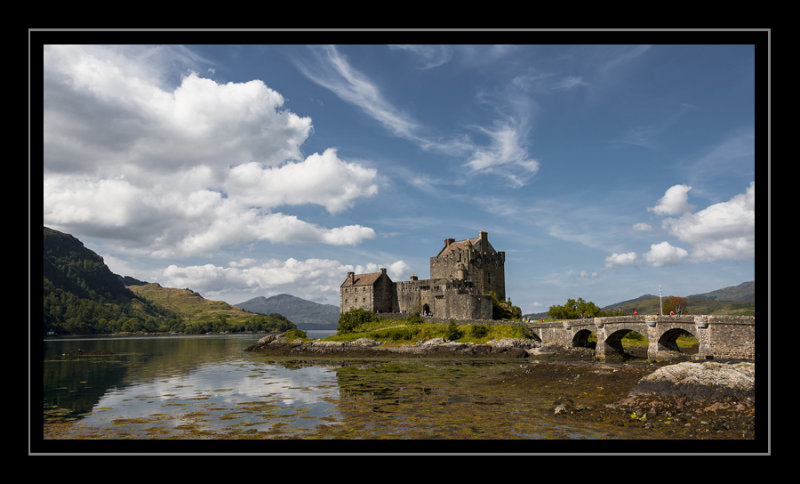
(472, 260)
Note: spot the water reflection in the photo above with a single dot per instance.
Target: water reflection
(219, 396)
(210, 388)
(149, 387)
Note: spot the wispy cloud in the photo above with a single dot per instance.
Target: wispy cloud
(618, 58)
(334, 72)
(648, 135)
(733, 155)
(504, 154)
(429, 56)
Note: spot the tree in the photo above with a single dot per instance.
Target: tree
(676, 304)
(452, 332)
(575, 309)
(504, 309)
(352, 319)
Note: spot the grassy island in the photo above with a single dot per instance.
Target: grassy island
(358, 323)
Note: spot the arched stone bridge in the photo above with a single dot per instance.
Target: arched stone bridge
(719, 337)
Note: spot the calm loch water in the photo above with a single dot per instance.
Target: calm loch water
(208, 387)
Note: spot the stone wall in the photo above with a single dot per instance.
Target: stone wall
(444, 298)
(377, 297)
(383, 294)
(732, 337)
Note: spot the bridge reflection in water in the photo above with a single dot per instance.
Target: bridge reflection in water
(719, 337)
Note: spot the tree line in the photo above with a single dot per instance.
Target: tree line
(579, 308)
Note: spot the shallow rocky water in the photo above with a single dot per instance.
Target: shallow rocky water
(207, 388)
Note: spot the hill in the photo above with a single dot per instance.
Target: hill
(744, 292)
(82, 296)
(185, 302)
(202, 315)
(733, 300)
(306, 314)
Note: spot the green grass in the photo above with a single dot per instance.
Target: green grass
(401, 331)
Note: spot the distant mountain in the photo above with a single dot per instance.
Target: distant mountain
(744, 292)
(732, 300)
(643, 297)
(305, 314)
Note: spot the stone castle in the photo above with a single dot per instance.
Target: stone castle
(462, 275)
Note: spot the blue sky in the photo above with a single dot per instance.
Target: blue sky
(603, 171)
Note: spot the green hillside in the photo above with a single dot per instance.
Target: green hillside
(82, 296)
(694, 305)
(202, 315)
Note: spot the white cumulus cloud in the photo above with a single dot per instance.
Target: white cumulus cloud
(724, 230)
(674, 202)
(625, 259)
(319, 179)
(185, 169)
(663, 254)
(313, 279)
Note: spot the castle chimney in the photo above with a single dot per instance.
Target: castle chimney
(352, 277)
(383, 270)
(448, 242)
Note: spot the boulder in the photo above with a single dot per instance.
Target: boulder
(699, 380)
(514, 343)
(366, 342)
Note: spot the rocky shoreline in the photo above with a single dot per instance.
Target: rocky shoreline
(685, 400)
(278, 344)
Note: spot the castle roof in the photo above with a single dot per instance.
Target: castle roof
(464, 245)
(362, 279)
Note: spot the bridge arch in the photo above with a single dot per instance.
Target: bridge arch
(584, 338)
(613, 346)
(667, 346)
